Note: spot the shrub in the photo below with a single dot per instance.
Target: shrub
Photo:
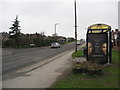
(88, 67)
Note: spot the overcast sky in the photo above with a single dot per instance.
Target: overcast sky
(41, 16)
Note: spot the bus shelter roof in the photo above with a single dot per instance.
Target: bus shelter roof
(98, 28)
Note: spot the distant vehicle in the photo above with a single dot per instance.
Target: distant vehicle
(55, 45)
(78, 43)
(32, 45)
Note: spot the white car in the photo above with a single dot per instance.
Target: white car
(78, 43)
(55, 45)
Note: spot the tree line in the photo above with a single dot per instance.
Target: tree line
(17, 39)
(24, 40)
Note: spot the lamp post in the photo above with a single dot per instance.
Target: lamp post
(55, 28)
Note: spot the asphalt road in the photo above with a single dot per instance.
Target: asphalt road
(14, 59)
(46, 74)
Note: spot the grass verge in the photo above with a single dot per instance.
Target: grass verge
(109, 78)
(69, 42)
(79, 53)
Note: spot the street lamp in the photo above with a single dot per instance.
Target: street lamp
(55, 28)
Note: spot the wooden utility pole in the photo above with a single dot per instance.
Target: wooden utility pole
(75, 27)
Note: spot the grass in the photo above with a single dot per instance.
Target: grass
(83, 47)
(69, 42)
(79, 53)
(108, 79)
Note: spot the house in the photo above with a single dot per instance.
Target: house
(116, 39)
(4, 36)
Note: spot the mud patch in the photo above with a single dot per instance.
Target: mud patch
(60, 70)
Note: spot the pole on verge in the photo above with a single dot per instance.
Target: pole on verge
(75, 27)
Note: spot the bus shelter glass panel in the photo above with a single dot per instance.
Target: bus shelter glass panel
(97, 47)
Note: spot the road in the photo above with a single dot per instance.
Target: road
(46, 74)
(15, 59)
(41, 74)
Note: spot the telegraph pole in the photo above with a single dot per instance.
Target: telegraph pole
(75, 27)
